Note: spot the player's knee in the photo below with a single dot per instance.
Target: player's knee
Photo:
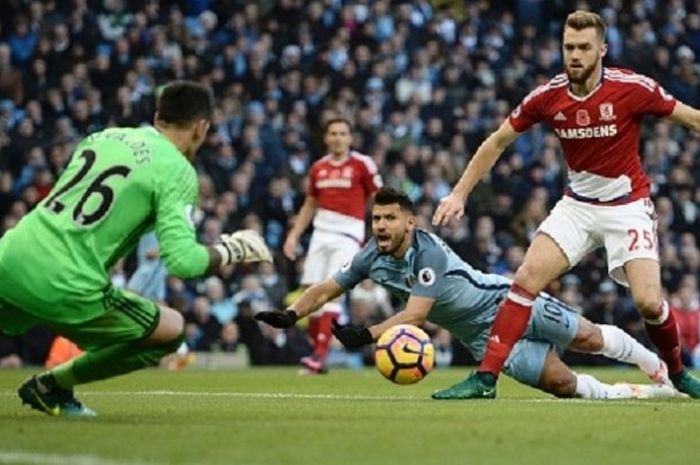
(648, 303)
(171, 328)
(589, 338)
(176, 328)
(174, 344)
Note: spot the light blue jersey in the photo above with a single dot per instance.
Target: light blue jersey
(466, 300)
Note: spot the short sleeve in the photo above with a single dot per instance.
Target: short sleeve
(430, 267)
(529, 112)
(176, 199)
(357, 269)
(371, 179)
(311, 187)
(652, 99)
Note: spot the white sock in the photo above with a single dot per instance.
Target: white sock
(587, 387)
(620, 346)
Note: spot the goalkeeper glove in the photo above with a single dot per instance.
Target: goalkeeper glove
(278, 318)
(243, 247)
(352, 337)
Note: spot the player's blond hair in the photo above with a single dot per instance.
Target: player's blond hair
(581, 19)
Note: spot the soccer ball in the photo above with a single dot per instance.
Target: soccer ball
(404, 354)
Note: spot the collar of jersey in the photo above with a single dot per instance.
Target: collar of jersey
(334, 162)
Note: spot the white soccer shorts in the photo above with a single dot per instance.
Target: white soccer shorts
(328, 251)
(627, 232)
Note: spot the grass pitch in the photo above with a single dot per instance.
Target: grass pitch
(273, 416)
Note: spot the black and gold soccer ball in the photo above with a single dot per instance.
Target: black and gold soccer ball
(404, 354)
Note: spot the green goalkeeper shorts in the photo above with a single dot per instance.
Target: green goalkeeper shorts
(127, 317)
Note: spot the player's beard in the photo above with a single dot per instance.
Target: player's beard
(580, 75)
(395, 242)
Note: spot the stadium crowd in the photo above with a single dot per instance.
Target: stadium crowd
(424, 82)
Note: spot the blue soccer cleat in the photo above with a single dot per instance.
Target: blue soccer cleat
(52, 401)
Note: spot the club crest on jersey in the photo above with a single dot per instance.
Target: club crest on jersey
(347, 172)
(582, 118)
(607, 112)
(426, 276)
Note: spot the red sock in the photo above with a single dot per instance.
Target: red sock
(665, 338)
(312, 330)
(508, 327)
(323, 336)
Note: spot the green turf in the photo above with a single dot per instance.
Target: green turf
(272, 416)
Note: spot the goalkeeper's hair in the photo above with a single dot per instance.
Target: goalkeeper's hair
(183, 103)
(581, 19)
(388, 196)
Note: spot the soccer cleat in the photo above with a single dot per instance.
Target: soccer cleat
(687, 384)
(649, 391)
(312, 366)
(180, 361)
(660, 376)
(53, 402)
(476, 386)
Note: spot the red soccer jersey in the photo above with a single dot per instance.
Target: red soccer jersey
(341, 191)
(599, 133)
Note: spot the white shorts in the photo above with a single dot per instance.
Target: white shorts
(328, 251)
(627, 231)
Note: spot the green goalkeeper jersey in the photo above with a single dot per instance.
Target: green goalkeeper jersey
(119, 184)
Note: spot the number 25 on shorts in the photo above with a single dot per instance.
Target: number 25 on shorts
(641, 239)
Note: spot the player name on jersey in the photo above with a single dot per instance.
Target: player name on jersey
(607, 130)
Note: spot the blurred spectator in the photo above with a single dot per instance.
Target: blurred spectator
(375, 298)
(610, 309)
(423, 85)
(11, 86)
(686, 307)
(274, 284)
(221, 306)
(202, 329)
(228, 338)
(442, 340)
(150, 275)
(253, 293)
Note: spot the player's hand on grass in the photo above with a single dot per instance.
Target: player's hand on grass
(352, 337)
(278, 318)
(243, 247)
(450, 208)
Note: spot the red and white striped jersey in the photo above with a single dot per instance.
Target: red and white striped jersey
(599, 133)
(341, 190)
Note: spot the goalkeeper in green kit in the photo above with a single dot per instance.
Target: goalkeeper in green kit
(54, 265)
